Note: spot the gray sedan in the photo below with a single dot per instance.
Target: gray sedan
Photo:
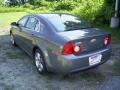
(60, 42)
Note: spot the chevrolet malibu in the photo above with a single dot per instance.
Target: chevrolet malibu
(60, 42)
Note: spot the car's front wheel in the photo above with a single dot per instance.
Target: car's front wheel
(12, 40)
(39, 61)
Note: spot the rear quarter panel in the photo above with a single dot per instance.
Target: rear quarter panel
(51, 47)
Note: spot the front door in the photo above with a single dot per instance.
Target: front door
(18, 30)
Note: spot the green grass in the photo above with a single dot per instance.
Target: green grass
(89, 76)
(7, 18)
(11, 9)
(92, 76)
(9, 87)
(14, 54)
(117, 66)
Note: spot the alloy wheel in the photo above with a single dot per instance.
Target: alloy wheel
(39, 61)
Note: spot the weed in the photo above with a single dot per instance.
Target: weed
(9, 87)
(117, 66)
(14, 54)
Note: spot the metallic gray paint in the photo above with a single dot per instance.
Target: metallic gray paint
(51, 42)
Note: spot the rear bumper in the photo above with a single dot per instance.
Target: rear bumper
(72, 63)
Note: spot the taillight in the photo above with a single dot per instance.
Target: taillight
(70, 48)
(107, 40)
(76, 48)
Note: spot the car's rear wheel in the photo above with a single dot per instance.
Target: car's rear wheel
(39, 61)
(12, 40)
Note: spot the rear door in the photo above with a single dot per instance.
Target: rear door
(28, 34)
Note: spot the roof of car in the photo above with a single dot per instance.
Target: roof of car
(52, 15)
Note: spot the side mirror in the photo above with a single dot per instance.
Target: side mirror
(14, 24)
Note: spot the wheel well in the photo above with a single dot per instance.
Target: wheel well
(34, 49)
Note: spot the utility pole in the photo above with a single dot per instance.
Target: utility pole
(115, 21)
(116, 8)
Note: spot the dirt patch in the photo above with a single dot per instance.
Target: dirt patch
(18, 72)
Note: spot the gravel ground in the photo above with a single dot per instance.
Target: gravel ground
(18, 72)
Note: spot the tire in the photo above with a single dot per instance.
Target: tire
(40, 61)
(12, 40)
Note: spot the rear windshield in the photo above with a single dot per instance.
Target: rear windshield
(68, 22)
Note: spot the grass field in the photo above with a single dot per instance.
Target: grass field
(7, 18)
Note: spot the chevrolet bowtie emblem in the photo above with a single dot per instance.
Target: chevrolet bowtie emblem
(93, 40)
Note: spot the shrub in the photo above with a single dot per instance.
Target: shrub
(1, 2)
(48, 4)
(88, 9)
(105, 13)
(27, 5)
(35, 2)
(65, 5)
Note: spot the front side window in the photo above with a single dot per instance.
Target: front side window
(31, 23)
(23, 21)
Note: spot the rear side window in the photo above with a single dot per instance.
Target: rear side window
(37, 27)
(31, 23)
(23, 21)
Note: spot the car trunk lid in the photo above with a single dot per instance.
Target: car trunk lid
(90, 40)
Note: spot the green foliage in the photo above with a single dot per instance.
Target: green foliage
(109, 2)
(35, 2)
(106, 12)
(1, 2)
(48, 4)
(88, 9)
(96, 11)
(42, 6)
(27, 5)
(52, 0)
(65, 5)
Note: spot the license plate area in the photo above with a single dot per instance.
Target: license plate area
(95, 59)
